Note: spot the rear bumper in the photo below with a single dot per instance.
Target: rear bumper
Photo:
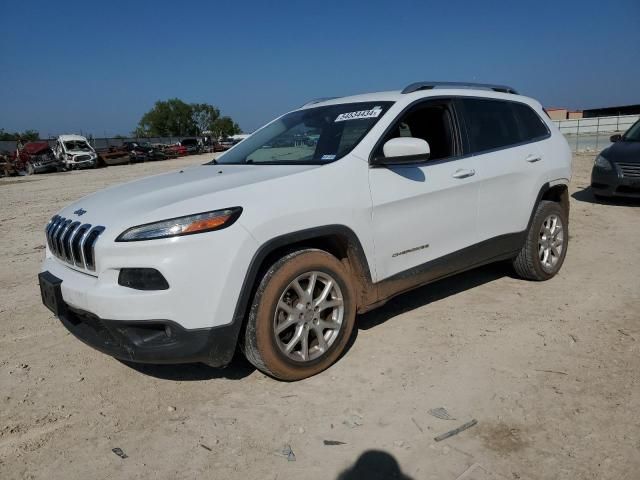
(147, 341)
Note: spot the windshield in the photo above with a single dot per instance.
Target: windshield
(77, 145)
(633, 134)
(312, 136)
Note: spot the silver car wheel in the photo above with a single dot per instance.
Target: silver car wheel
(551, 242)
(308, 316)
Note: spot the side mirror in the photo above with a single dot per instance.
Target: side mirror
(404, 151)
(615, 138)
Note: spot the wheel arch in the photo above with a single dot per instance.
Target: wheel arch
(555, 192)
(559, 193)
(339, 240)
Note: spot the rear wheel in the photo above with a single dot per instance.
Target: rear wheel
(302, 316)
(546, 243)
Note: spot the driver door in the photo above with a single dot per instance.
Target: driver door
(425, 211)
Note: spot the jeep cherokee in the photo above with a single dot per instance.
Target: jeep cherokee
(325, 212)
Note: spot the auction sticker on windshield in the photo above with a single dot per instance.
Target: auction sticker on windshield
(373, 113)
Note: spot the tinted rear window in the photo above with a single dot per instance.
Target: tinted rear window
(531, 126)
(493, 124)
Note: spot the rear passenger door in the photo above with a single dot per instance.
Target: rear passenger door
(503, 137)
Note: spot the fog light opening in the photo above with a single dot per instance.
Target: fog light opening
(142, 279)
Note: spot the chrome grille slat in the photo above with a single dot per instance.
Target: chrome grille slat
(60, 238)
(50, 226)
(629, 169)
(73, 242)
(78, 260)
(82, 244)
(67, 242)
(90, 243)
(54, 231)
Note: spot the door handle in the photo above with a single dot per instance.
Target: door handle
(533, 158)
(463, 173)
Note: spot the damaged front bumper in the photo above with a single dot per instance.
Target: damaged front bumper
(145, 341)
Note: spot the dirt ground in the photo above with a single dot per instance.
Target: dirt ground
(549, 370)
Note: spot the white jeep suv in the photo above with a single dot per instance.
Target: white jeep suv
(326, 212)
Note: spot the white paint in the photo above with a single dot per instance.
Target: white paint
(390, 210)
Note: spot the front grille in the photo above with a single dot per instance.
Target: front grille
(73, 242)
(629, 169)
(82, 158)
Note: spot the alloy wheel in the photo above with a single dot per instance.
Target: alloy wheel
(550, 242)
(308, 316)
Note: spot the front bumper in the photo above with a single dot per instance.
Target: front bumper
(45, 167)
(609, 183)
(144, 341)
(81, 163)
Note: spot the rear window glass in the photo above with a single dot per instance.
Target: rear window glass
(490, 124)
(531, 126)
(493, 124)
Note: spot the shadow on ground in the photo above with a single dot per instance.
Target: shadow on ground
(586, 195)
(238, 369)
(374, 465)
(433, 292)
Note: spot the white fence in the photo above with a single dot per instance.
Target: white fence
(596, 125)
(592, 134)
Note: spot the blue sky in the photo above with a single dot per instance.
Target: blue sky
(98, 66)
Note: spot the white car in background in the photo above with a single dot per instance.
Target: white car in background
(328, 211)
(74, 151)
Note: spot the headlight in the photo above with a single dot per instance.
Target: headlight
(188, 225)
(603, 163)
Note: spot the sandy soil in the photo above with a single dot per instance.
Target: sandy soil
(550, 371)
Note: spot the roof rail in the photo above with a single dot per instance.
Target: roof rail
(414, 87)
(318, 100)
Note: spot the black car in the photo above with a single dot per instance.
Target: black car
(142, 152)
(616, 171)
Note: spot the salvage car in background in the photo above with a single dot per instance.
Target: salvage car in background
(36, 157)
(176, 150)
(192, 145)
(616, 171)
(165, 149)
(143, 152)
(113, 156)
(6, 165)
(75, 152)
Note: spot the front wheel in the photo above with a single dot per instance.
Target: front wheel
(546, 243)
(30, 169)
(301, 317)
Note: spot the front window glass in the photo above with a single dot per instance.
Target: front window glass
(77, 145)
(312, 136)
(633, 134)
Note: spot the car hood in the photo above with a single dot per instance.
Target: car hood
(188, 191)
(627, 152)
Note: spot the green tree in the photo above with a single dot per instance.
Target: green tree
(176, 118)
(172, 117)
(224, 127)
(204, 116)
(26, 136)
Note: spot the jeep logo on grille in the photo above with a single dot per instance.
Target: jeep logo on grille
(80, 212)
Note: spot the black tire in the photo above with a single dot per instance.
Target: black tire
(263, 347)
(528, 264)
